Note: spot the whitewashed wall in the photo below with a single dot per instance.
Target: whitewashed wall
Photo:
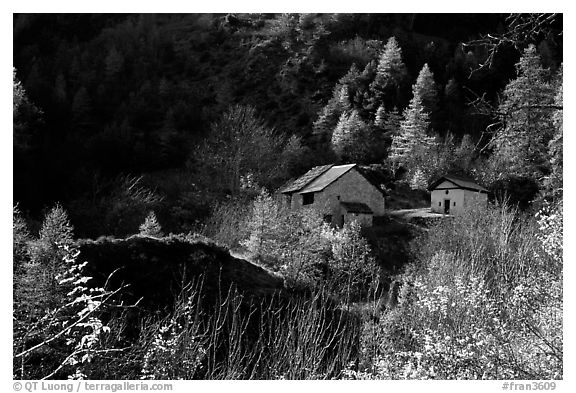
(463, 198)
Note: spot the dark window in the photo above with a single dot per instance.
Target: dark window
(447, 191)
(308, 199)
(439, 203)
(454, 203)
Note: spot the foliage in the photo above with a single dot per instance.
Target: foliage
(20, 238)
(61, 338)
(351, 139)
(298, 243)
(116, 207)
(484, 302)
(418, 180)
(151, 226)
(391, 74)
(46, 252)
(521, 145)
(26, 117)
(411, 146)
(290, 242)
(426, 89)
(555, 146)
(240, 144)
(226, 223)
(353, 271)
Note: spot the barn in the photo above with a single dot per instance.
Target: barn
(340, 192)
(452, 195)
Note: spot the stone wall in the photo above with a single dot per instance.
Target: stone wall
(350, 187)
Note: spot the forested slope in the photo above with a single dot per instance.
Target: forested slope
(114, 95)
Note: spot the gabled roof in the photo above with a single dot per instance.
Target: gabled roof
(305, 179)
(465, 184)
(356, 207)
(326, 178)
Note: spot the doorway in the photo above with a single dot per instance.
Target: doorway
(446, 206)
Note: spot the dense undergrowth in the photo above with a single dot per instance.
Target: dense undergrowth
(481, 299)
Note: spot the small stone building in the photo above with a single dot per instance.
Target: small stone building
(452, 195)
(340, 192)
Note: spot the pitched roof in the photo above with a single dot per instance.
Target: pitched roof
(326, 178)
(356, 207)
(466, 184)
(305, 179)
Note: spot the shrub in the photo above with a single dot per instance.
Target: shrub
(62, 338)
(151, 226)
(353, 271)
(226, 223)
(482, 302)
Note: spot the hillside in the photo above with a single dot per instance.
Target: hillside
(157, 270)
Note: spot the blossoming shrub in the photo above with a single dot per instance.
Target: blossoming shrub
(483, 301)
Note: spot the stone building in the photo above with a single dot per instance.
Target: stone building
(452, 195)
(340, 192)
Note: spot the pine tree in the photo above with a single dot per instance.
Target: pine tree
(151, 226)
(380, 118)
(411, 144)
(388, 121)
(264, 226)
(391, 73)
(351, 138)
(427, 90)
(56, 228)
(47, 253)
(521, 145)
(338, 104)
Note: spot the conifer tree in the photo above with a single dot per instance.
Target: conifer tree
(264, 226)
(47, 253)
(151, 226)
(411, 144)
(391, 73)
(388, 121)
(351, 138)
(427, 89)
(527, 109)
(380, 118)
(339, 103)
